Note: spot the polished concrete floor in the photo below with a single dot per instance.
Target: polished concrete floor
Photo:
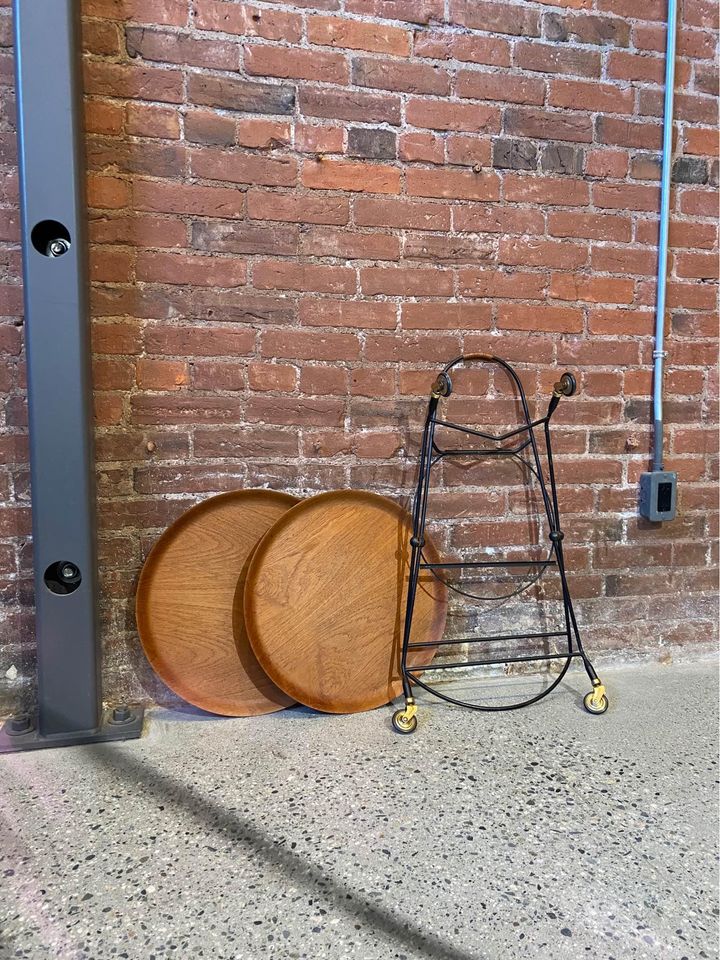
(540, 833)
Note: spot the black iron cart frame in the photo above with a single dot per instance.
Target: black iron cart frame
(522, 438)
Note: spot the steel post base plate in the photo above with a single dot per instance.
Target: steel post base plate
(109, 729)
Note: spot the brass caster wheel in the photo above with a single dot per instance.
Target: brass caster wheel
(404, 723)
(595, 705)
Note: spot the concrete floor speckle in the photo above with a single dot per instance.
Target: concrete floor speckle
(540, 833)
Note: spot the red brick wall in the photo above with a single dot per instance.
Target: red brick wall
(299, 210)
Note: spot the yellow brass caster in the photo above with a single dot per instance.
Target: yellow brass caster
(596, 701)
(405, 721)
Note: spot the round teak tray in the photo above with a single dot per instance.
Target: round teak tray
(189, 604)
(325, 601)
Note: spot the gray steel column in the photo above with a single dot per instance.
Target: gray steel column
(52, 199)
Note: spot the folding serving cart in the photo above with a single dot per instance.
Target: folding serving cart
(522, 445)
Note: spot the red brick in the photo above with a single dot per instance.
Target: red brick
(349, 105)
(146, 121)
(103, 117)
(177, 341)
(699, 202)
(236, 167)
(405, 77)
(502, 284)
(590, 95)
(246, 20)
(235, 93)
(635, 261)
(181, 48)
(626, 197)
(283, 275)
(425, 348)
(361, 314)
(546, 191)
(293, 411)
(328, 242)
(622, 65)
(560, 58)
(109, 266)
(351, 176)
(264, 205)
(577, 287)
(310, 345)
(406, 282)
(606, 163)
(299, 64)
(590, 226)
(204, 126)
(425, 147)
(701, 141)
(276, 377)
(136, 230)
(414, 11)
(172, 13)
(544, 125)
(629, 133)
(162, 374)
(479, 85)
(497, 218)
(703, 266)
(262, 134)
(182, 408)
(170, 197)
(453, 116)
(311, 138)
(107, 193)
(469, 48)
(119, 80)
(99, 37)
(449, 316)
(637, 323)
(356, 35)
(513, 316)
(448, 250)
(324, 381)
(469, 150)
(452, 184)
(495, 17)
(215, 375)
(180, 269)
(541, 253)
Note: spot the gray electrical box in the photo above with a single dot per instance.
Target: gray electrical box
(658, 495)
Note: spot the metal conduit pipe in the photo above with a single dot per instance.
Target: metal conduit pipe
(659, 353)
(658, 491)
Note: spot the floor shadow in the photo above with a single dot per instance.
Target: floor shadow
(212, 815)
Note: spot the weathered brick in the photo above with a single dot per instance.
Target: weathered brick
(514, 154)
(265, 205)
(479, 85)
(237, 167)
(690, 170)
(267, 61)
(228, 236)
(350, 176)
(351, 105)
(452, 184)
(453, 116)
(232, 93)
(355, 35)
(121, 80)
(405, 77)
(374, 144)
(171, 197)
(495, 17)
(542, 125)
(283, 275)
(333, 242)
(363, 314)
(561, 158)
(184, 49)
(247, 20)
(181, 269)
